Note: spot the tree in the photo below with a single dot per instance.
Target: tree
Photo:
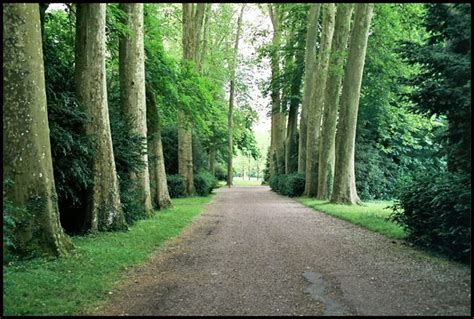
(309, 74)
(103, 208)
(316, 107)
(344, 189)
(292, 80)
(331, 100)
(443, 87)
(277, 144)
(233, 66)
(193, 15)
(160, 194)
(27, 151)
(132, 90)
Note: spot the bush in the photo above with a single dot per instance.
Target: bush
(435, 210)
(176, 186)
(294, 184)
(204, 183)
(11, 216)
(291, 185)
(221, 173)
(128, 151)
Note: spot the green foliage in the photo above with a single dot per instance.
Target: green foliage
(169, 139)
(435, 210)
(204, 183)
(391, 141)
(11, 214)
(80, 282)
(176, 186)
(291, 185)
(373, 215)
(71, 149)
(128, 151)
(221, 172)
(443, 87)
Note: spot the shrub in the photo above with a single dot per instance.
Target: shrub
(221, 173)
(11, 215)
(294, 185)
(289, 185)
(204, 183)
(276, 183)
(435, 210)
(128, 151)
(176, 186)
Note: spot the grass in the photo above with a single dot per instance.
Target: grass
(246, 182)
(371, 215)
(81, 281)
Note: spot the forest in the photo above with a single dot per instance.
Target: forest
(116, 113)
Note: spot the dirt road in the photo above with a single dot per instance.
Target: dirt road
(253, 252)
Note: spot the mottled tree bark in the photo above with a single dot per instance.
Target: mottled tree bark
(132, 90)
(316, 107)
(331, 102)
(27, 151)
(103, 208)
(159, 191)
(230, 117)
(277, 144)
(309, 74)
(344, 189)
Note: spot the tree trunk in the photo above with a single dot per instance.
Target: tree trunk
(344, 190)
(316, 107)
(192, 23)
(310, 68)
(159, 192)
(212, 160)
(331, 102)
(231, 98)
(132, 91)
(277, 144)
(27, 150)
(291, 145)
(103, 208)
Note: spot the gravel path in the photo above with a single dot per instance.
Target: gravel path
(253, 252)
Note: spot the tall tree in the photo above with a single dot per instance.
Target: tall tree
(27, 150)
(344, 189)
(103, 208)
(296, 44)
(233, 66)
(160, 194)
(277, 144)
(309, 74)
(331, 100)
(316, 107)
(132, 90)
(193, 15)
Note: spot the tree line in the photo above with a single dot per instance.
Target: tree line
(103, 125)
(384, 111)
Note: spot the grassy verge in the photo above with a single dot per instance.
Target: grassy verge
(371, 215)
(82, 280)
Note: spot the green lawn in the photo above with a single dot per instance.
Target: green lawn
(82, 280)
(246, 182)
(371, 215)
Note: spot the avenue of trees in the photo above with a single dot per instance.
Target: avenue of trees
(103, 125)
(112, 110)
(384, 98)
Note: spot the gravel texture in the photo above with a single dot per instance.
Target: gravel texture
(253, 252)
